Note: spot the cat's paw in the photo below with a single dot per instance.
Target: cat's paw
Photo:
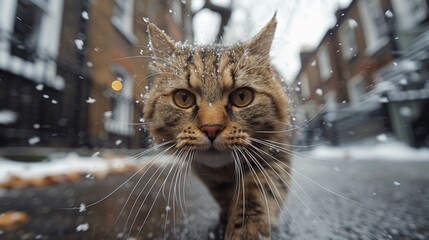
(250, 230)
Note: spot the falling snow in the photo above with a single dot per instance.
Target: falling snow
(388, 14)
(405, 111)
(82, 207)
(39, 87)
(7, 117)
(118, 142)
(85, 15)
(396, 183)
(33, 140)
(352, 23)
(319, 92)
(382, 137)
(82, 227)
(90, 100)
(79, 43)
(108, 114)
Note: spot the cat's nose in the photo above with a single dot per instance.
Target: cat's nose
(212, 130)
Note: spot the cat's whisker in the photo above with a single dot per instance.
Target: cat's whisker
(297, 146)
(296, 127)
(238, 174)
(257, 150)
(185, 174)
(179, 155)
(162, 168)
(309, 179)
(258, 183)
(139, 85)
(269, 179)
(125, 182)
(173, 187)
(164, 61)
(140, 155)
(171, 193)
(242, 186)
(291, 152)
(277, 161)
(304, 203)
(146, 167)
(248, 50)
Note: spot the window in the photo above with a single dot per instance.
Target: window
(410, 13)
(356, 90)
(176, 11)
(324, 63)
(26, 29)
(374, 25)
(123, 17)
(348, 39)
(30, 33)
(122, 105)
(331, 101)
(305, 86)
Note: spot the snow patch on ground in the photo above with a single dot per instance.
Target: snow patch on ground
(72, 162)
(385, 151)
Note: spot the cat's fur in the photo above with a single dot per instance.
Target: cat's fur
(247, 178)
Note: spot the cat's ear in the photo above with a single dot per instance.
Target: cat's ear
(162, 44)
(261, 43)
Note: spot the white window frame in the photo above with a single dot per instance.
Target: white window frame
(355, 94)
(324, 61)
(305, 86)
(40, 70)
(331, 101)
(410, 13)
(375, 33)
(347, 36)
(123, 19)
(176, 8)
(119, 121)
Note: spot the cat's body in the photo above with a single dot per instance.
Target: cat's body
(225, 105)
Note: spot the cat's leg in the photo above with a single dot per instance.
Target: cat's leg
(254, 211)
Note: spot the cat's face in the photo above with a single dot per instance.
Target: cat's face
(214, 98)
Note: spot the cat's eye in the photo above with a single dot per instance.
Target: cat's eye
(183, 98)
(241, 97)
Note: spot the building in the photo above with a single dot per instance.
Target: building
(339, 80)
(117, 51)
(40, 69)
(58, 60)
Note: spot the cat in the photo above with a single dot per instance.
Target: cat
(226, 105)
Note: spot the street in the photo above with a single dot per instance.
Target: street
(337, 200)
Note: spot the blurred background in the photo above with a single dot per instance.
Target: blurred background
(73, 76)
(73, 73)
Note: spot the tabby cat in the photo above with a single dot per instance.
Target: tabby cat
(226, 105)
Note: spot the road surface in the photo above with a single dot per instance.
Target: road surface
(341, 200)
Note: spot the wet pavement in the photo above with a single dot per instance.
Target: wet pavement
(342, 200)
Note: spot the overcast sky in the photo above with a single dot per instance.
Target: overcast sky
(300, 23)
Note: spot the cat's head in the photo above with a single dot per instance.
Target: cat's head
(214, 98)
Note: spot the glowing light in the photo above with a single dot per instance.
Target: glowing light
(116, 85)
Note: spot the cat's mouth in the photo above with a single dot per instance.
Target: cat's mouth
(213, 151)
(213, 157)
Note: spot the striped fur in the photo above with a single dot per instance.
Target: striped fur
(247, 179)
